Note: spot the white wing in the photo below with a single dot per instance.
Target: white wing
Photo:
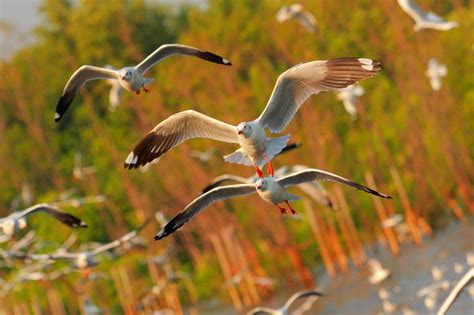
(310, 175)
(166, 51)
(295, 85)
(203, 202)
(299, 295)
(307, 20)
(220, 180)
(81, 76)
(175, 130)
(413, 10)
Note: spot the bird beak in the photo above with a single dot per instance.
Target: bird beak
(258, 187)
(123, 78)
(240, 132)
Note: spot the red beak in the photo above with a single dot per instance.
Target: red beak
(258, 187)
(123, 78)
(240, 132)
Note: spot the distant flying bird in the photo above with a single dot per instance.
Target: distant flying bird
(79, 171)
(378, 272)
(296, 12)
(435, 72)
(425, 20)
(292, 88)
(284, 310)
(437, 272)
(392, 221)
(406, 310)
(17, 220)
(314, 189)
(116, 91)
(434, 288)
(269, 189)
(130, 78)
(85, 259)
(203, 156)
(348, 96)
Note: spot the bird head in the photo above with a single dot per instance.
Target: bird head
(245, 129)
(125, 74)
(261, 184)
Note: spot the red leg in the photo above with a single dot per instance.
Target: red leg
(270, 170)
(291, 208)
(258, 170)
(137, 92)
(145, 89)
(282, 210)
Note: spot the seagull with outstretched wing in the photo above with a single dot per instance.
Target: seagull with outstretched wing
(435, 72)
(425, 20)
(314, 189)
(296, 12)
(349, 96)
(17, 220)
(130, 78)
(269, 189)
(291, 90)
(284, 310)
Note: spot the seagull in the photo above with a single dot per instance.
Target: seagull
(284, 309)
(79, 171)
(392, 221)
(85, 259)
(269, 189)
(203, 156)
(378, 272)
(425, 20)
(434, 288)
(435, 72)
(406, 310)
(295, 11)
(314, 189)
(116, 91)
(130, 78)
(17, 220)
(292, 88)
(437, 272)
(388, 307)
(348, 96)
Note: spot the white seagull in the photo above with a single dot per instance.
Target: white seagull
(284, 309)
(348, 96)
(435, 72)
(292, 88)
(378, 272)
(296, 12)
(116, 91)
(269, 189)
(425, 20)
(79, 171)
(314, 189)
(130, 78)
(17, 220)
(85, 259)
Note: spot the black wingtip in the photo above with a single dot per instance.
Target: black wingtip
(83, 224)
(160, 235)
(63, 105)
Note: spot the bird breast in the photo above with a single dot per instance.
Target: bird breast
(274, 194)
(254, 145)
(134, 83)
(10, 227)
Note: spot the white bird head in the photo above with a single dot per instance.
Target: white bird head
(261, 184)
(245, 129)
(126, 74)
(22, 223)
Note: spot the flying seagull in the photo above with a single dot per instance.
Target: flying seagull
(348, 96)
(296, 12)
(130, 78)
(314, 189)
(284, 309)
(269, 189)
(435, 72)
(292, 88)
(17, 220)
(378, 272)
(85, 259)
(425, 20)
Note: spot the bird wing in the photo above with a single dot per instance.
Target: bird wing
(413, 10)
(106, 247)
(299, 295)
(261, 311)
(166, 51)
(54, 212)
(82, 75)
(220, 180)
(175, 130)
(307, 20)
(203, 202)
(310, 175)
(295, 85)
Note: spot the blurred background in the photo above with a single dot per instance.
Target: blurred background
(408, 141)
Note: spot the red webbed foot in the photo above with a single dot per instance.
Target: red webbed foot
(259, 172)
(291, 208)
(137, 92)
(146, 90)
(270, 170)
